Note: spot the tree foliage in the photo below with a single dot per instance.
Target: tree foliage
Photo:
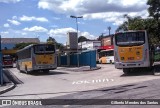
(154, 11)
(58, 45)
(154, 8)
(82, 39)
(51, 40)
(22, 45)
(138, 23)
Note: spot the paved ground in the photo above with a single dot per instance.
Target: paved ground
(73, 84)
(60, 82)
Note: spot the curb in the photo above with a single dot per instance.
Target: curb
(11, 87)
(92, 69)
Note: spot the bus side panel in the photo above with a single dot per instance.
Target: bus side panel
(26, 64)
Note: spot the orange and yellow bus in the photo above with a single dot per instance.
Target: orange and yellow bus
(37, 57)
(106, 56)
(131, 50)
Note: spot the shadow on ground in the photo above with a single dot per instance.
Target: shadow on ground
(49, 73)
(139, 72)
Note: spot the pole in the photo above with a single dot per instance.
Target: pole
(77, 36)
(109, 28)
(1, 72)
(77, 44)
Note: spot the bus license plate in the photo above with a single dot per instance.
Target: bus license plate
(130, 58)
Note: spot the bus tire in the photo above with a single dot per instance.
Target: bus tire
(26, 70)
(18, 67)
(126, 71)
(110, 62)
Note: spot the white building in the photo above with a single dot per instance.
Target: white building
(89, 45)
(72, 40)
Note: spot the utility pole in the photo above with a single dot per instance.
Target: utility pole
(76, 17)
(1, 72)
(109, 28)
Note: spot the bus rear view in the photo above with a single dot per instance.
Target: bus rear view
(131, 50)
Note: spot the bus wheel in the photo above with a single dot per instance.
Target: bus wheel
(26, 70)
(100, 62)
(126, 71)
(110, 62)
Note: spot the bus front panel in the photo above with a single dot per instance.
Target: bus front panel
(131, 50)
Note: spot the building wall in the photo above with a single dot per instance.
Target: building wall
(72, 40)
(90, 45)
(9, 43)
(107, 41)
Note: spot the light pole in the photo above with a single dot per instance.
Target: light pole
(76, 17)
(1, 72)
(109, 28)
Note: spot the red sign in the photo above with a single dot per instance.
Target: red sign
(108, 47)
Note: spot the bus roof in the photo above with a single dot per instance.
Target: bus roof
(29, 46)
(131, 31)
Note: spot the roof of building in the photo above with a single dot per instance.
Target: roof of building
(111, 35)
(19, 40)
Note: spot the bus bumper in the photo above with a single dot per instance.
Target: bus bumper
(120, 65)
(44, 67)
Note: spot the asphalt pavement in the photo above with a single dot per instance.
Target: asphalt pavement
(68, 83)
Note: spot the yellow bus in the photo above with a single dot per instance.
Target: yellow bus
(37, 57)
(106, 56)
(131, 50)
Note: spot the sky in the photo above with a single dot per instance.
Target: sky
(44, 18)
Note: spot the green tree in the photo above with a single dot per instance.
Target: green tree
(154, 11)
(58, 45)
(82, 39)
(22, 45)
(138, 23)
(154, 8)
(51, 40)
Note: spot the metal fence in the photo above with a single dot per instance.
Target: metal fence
(87, 58)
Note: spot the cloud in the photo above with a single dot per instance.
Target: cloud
(56, 18)
(90, 6)
(53, 26)
(115, 17)
(62, 32)
(24, 33)
(14, 17)
(14, 22)
(87, 35)
(107, 10)
(26, 18)
(36, 29)
(4, 32)
(6, 25)
(9, 1)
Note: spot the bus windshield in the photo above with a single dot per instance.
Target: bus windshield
(48, 48)
(7, 58)
(106, 53)
(130, 38)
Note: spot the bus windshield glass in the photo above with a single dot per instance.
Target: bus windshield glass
(7, 58)
(130, 38)
(106, 53)
(48, 48)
